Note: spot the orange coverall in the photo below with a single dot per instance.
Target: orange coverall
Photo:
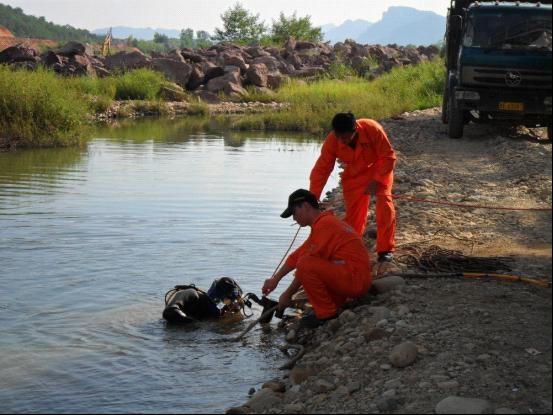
(332, 265)
(373, 159)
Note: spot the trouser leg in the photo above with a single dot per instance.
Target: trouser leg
(328, 285)
(357, 210)
(385, 220)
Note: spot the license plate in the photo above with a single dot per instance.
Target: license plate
(511, 106)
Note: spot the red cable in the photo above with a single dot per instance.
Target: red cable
(438, 202)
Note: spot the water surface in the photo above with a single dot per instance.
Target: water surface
(92, 238)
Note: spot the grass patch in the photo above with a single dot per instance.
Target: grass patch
(141, 84)
(37, 109)
(314, 104)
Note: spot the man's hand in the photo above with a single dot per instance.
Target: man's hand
(284, 300)
(372, 188)
(269, 286)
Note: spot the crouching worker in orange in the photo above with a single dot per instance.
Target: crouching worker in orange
(368, 160)
(332, 265)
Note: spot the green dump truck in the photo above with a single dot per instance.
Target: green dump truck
(498, 60)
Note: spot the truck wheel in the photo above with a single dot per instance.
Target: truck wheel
(456, 120)
(445, 109)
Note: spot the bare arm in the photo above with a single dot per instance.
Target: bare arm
(271, 283)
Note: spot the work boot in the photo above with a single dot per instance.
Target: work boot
(310, 321)
(385, 257)
(385, 265)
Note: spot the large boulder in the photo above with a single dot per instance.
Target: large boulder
(220, 83)
(81, 65)
(213, 72)
(235, 91)
(127, 60)
(238, 61)
(257, 74)
(301, 45)
(51, 58)
(274, 80)
(175, 71)
(272, 63)
(191, 56)
(257, 52)
(71, 49)
(290, 45)
(197, 77)
(19, 53)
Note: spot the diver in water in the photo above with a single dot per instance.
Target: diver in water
(224, 300)
(186, 303)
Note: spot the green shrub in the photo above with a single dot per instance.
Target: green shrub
(141, 84)
(198, 109)
(38, 109)
(312, 105)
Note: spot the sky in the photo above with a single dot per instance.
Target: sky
(206, 14)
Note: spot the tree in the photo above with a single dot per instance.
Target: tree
(161, 38)
(187, 38)
(240, 26)
(203, 39)
(300, 28)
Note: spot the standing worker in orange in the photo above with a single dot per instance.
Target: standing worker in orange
(333, 265)
(368, 160)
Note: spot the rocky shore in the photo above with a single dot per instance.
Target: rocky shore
(443, 345)
(224, 69)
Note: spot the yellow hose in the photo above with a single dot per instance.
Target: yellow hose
(513, 278)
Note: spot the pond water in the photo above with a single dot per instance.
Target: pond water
(91, 239)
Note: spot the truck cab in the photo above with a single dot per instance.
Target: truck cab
(498, 60)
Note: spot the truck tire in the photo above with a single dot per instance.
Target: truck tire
(456, 120)
(445, 109)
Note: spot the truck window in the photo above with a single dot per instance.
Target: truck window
(509, 29)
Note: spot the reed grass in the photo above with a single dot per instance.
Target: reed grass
(37, 109)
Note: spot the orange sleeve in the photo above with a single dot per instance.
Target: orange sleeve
(386, 156)
(323, 166)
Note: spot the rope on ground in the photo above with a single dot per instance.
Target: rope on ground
(477, 275)
(437, 259)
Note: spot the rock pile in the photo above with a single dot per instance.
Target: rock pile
(226, 67)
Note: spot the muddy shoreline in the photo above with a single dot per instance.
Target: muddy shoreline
(443, 345)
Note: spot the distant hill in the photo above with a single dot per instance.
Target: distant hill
(400, 25)
(146, 33)
(350, 29)
(404, 26)
(26, 26)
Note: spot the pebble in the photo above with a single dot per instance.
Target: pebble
(450, 384)
(375, 334)
(385, 366)
(387, 284)
(458, 405)
(263, 399)
(382, 323)
(346, 317)
(275, 386)
(300, 374)
(403, 354)
(294, 408)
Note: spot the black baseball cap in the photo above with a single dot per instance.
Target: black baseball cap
(297, 198)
